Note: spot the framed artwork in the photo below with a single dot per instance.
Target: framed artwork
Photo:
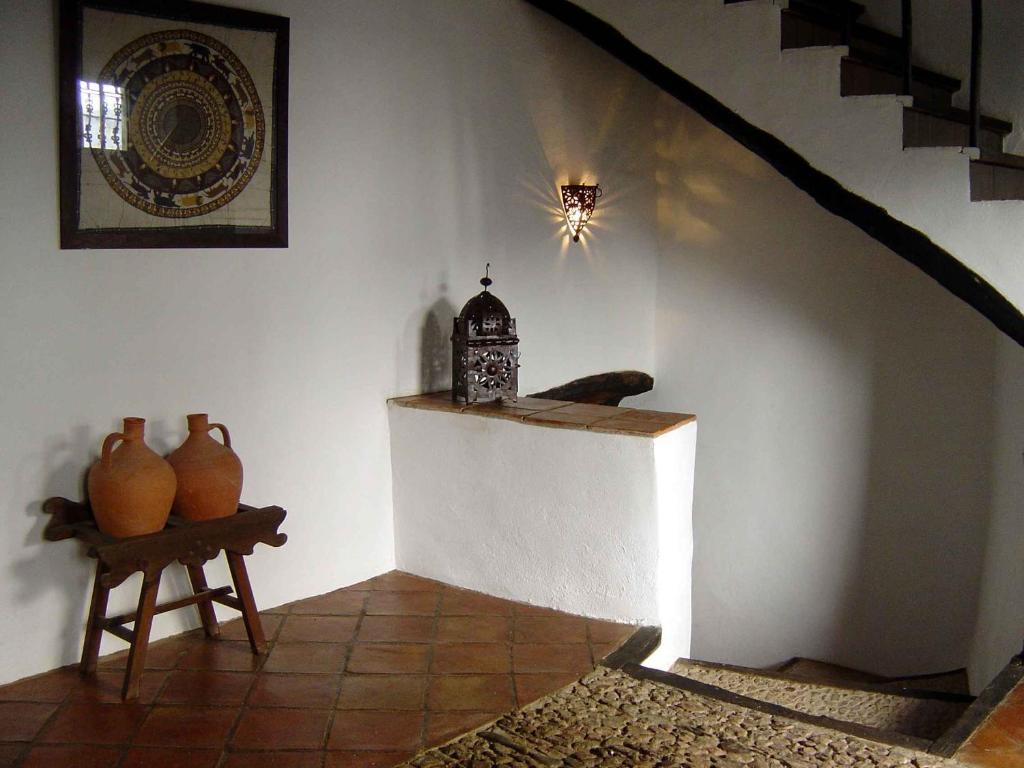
(173, 125)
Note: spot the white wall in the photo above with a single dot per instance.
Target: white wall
(589, 523)
(425, 140)
(1000, 625)
(859, 462)
(942, 42)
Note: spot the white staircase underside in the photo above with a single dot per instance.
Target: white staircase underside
(733, 52)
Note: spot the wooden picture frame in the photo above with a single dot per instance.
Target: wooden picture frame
(173, 125)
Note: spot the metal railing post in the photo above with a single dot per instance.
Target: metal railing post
(975, 114)
(907, 17)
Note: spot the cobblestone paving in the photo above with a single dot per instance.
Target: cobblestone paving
(925, 718)
(611, 720)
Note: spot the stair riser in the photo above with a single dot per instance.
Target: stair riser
(858, 79)
(996, 182)
(801, 32)
(923, 130)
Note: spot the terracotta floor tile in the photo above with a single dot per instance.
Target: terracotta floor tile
(10, 754)
(274, 760)
(162, 654)
(600, 651)
(77, 755)
(1016, 696)
(105, 687)
(1009, 718)
(318, 629)
(51, 687)
(550, 629)
(377, 658)
(445, 726)
(322, 658)
(551, 657)
(457, 602)
(235, 629)
(94, 724)
(402, 603)
(474, 629)
(396, 629)
(608, 632)
(206, 687)
(522, 609)
(281, 729)
(383, 692)
(367, 730)
(279, 610)
(462, 658)
(223, 655)
(332, 604)
(365, 759)
(399, 581)
(530, 687)
(156, 757)
(991, 737)
(193, 727)
(312, 691)
(487, 693)
(21, 721)
(990, 759)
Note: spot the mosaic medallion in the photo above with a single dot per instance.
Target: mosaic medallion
(194, 128)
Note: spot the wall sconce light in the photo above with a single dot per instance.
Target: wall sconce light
(578, 201)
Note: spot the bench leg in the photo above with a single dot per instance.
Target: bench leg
(197, 577)
(94, 625)
(140, 642)
(251, 617)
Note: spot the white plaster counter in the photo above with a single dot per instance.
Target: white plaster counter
(582, 508)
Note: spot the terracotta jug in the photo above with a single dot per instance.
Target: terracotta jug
(209, 474)
(130, 488)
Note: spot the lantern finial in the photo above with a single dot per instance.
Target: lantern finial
(486, 279)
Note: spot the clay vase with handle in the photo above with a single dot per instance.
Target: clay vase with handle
(209, 474)
(130, 488)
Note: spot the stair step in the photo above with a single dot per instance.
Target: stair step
(992, 180)
(801, 29)
(864, 78)
(639, 716)
(954, 681)
(950, 128)
(924, 715)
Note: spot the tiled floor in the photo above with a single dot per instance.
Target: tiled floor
(999, 741)
(358, 678)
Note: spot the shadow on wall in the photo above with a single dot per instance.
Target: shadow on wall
(844, 485)
(436, 346)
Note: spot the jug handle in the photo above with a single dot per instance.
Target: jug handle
(224, 433)
(108, 447)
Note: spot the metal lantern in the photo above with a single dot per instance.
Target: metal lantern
(578, 201)
(485, 350)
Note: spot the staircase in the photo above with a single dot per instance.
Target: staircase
(874, 66)
(920, 714)
(831, 115)
(714, 715)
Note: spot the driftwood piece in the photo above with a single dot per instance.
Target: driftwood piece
(601, 388)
